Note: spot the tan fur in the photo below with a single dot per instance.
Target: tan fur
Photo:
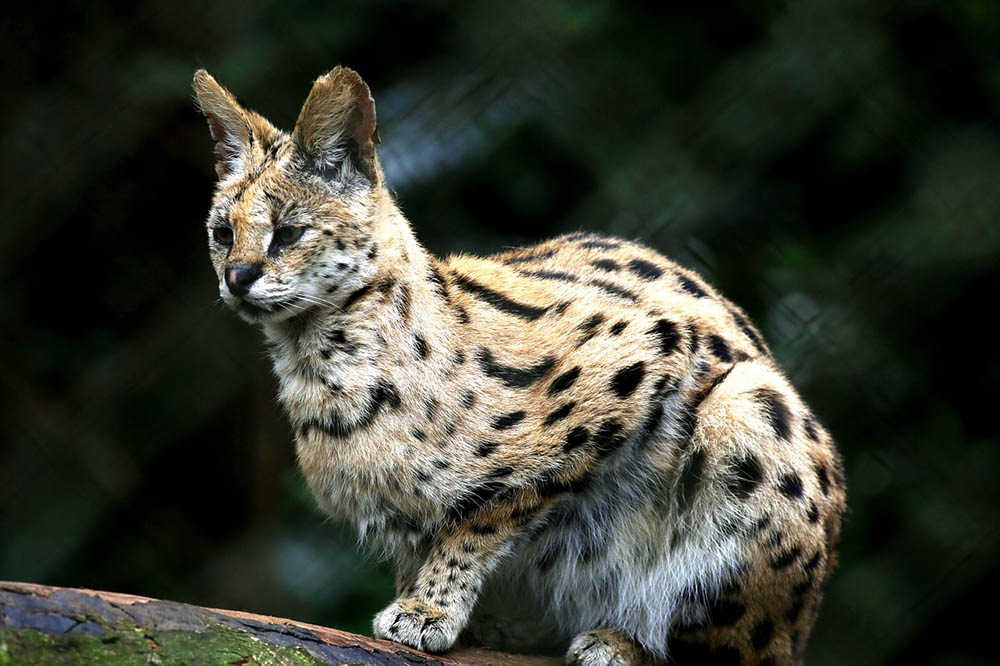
(583, 416)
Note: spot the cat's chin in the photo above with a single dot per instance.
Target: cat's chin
(272, 313)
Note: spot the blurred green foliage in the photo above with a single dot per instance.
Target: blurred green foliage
(831, 165)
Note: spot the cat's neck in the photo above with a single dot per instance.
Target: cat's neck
(332, 355)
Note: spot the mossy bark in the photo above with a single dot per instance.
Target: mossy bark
(43, 625)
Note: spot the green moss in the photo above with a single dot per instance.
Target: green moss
(133, 646)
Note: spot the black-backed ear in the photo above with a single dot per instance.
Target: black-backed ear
(228, 122)
(337, 130)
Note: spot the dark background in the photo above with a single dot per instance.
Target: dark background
(830, 165)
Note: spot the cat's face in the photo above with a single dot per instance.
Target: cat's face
(291, 222)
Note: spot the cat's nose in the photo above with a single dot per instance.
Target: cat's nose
(240, 277)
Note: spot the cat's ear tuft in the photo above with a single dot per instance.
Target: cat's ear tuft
(228, 122)
(337, 129)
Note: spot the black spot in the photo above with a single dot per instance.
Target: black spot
(498, 300)
(431, 408)
(790, 486)
(627, 380)
(746, 475)
(560, 413)
(690, 476)
(606, 265)
(564, 381)
(609, 437)
(645, 269)
(762, 634)
(691, 287)
(693, 339)
(777, 412)
(813, 514)
(327, 232)
(483, 529)
(720, 349)
(422, 348)
(591, 323)
(385, 286)
(423, 476)
(373, 251)
(551, 275)
(505, 421)
(618, 327)
(511, 376)
(759, 525)
(340, 245)
(813, 561)
(748, 331)
(824, 480)
(459, 357)
(461, 315)
(336, 337)
(484, 449)
(644, 435)
(614, 290)
(501, 472)
(794, 611)
(576, 437)
(547, 486)
(803, 587)
(524, 258)
(810, 426)
(476, 498)
(785, 559)
(419, 434)
(440, 286)
(724, 613)
(667, 334)
(600, 245)
(441, 464)
(468, 399)
(356, 295)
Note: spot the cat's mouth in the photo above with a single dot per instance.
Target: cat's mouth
(255, 311)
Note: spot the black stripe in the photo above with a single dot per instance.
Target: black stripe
(511, 376)
(498, 300)
(564, 381)
(524, 258)
(505, 421)
(551, 275)
(356, 295)
(476, 498)
(440, 286)
(335, 425)
(560, 413)
(645, 269)
(614, 290)
(599, 244)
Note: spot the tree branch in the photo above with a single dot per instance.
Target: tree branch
(55, 625)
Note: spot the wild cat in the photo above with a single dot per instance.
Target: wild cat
(584, 412)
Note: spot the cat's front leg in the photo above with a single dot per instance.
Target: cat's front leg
(433, 607)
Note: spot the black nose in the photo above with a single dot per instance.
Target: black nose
(240, 277)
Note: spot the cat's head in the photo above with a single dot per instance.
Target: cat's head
(292, 221)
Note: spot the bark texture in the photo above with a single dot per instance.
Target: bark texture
(53, 625)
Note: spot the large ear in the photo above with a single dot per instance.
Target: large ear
(228, 122)
(337, 129)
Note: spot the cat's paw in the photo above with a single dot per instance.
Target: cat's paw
(418, 625)
(602, 647)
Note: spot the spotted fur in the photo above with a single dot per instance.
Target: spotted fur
(583, 418)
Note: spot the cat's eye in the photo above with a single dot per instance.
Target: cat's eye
(223, 235)
(288, 235)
